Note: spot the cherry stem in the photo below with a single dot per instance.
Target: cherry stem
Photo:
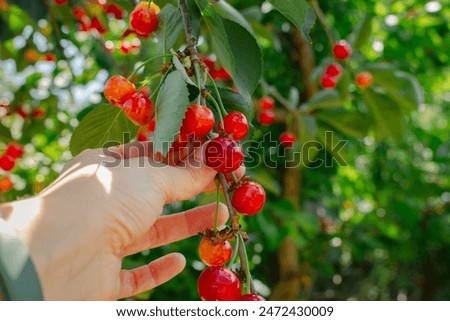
(216, 91)
(249, 287)
(135, 71)
(235, 179)
(233, 215)
(216, 218)
(235, 253)
(218, 109)
(323, 21)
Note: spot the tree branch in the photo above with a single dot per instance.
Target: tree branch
(323, 21)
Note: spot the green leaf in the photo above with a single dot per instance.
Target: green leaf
(170, 27)
(389, 121)
(298, 12)
(402, 87)
(350, 123)
(17, 19)
(172, 103)
(324, 99)
(192, 87)
(103, 127)
(247, 57)
(308, 128)
(234, 102)
(229, 12)
(236, 49)
(362, 33)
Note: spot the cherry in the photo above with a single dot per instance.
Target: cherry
(214, 254)
(342, 50)
(14, 150)
(7, 162)
(139, 109)
(266, 103)
(115, 10)
(60, 2)
(5, 184)
(221, 74)
(182, 140)
(50, 57)
(218, 284)
(249, 198)
(118, 89)
(223, 155)
(364, 79)
(267, 117)
(334, 70)
(21, 112)
(198, 121)
(144, 18)
(143, 132)
(327, 81)
(287, 139)
(235, 125)
(38, 112)
(252, 297)
(97, 25)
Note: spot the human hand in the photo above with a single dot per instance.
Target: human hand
(80, 228)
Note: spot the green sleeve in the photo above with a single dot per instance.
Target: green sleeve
(18, 278)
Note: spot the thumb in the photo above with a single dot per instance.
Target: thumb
(188, 179)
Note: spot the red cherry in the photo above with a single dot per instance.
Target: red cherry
(252, 297)
(6, 184)
(50, 57)
(139, 109)
(287, 139)
(60, 2)
(118, 89)
(143, 132)
(209, 63)
(144, 18)
(223, 155)
(334, 70)
(218, 284)
(249, 198)
(38, 112)
(214, 254)
(267, 117)
(235, 124)
(342, 50)
(21, 112)
(14, 150)
(198, 121)
(220, 74)
(182, 140)
(7, 162)
(115, 10)
(97, 25)
(364, 79)
(327, 81)
(266, 103)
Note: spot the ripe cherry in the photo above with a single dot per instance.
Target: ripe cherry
(6, 184)
(235, 125)
(218, 284)
(287, 139)
(364, 79)
(118, 89)
(214, 254)
(334, 70)
(342, 50)
(223, 155)
(144, 18)
(252, 297)
(7, 162)
(139, 109)
(60, 2)
(97, 25)
(266, 103)
(14, 150)
(267, 117)
(115, 10)
(38, 112)
(198, 121)
(327, 81)
(144, 131)
(249, 198)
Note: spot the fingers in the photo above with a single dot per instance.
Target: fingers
(175, 227)
(151, 275)
(131, 150)
(240, 172)
(187, 180)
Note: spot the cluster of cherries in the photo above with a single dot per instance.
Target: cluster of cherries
(35, 113)
(8, 160)
(267, 117)
(329, 79)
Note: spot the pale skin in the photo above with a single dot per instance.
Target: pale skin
(80, 228)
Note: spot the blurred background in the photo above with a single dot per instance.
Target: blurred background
(376, 229)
